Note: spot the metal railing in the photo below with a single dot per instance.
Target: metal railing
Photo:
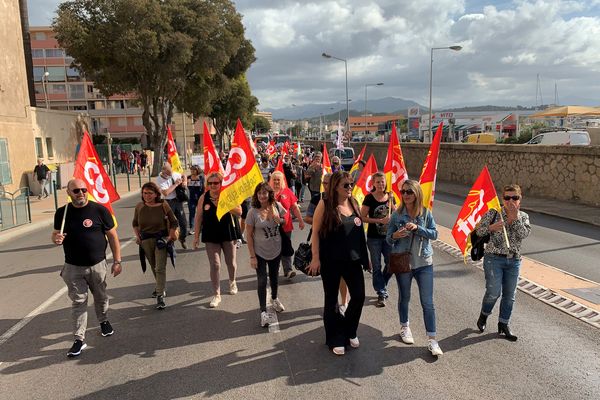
(15, 209)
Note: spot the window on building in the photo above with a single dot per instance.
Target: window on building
(37, 53)
(39, 151)
(5, 177)
(78, 108)
(56, 74)
(38, 72)
(137, 121)
(90, 88)
(73, 74)
(91, 105)
(57, 89)
(39, 89)
(49, 148)
(76, 91)
(40, 36)
(55, 53)
(122, 121)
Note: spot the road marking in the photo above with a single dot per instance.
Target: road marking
(22, 323)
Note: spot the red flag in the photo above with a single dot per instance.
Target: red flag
(428, 175)
(279, 168)
(242, 173)
(212, 162)
(394, 168)
(360, 157)
(271, 149)
(172, 155)
(481, 198)
(363, 185)
(326, 162)
(89, 169)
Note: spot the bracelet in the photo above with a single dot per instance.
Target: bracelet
(117, 262)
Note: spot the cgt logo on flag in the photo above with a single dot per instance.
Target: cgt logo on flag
(95, 180)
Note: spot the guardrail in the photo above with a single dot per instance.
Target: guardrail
(15, 209)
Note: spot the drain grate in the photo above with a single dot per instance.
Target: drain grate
(541, 293)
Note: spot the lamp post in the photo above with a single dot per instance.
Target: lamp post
(347, 101)
(44, 85)
(455, 48)
(366, 86)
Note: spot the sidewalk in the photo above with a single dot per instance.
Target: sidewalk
(42, 211)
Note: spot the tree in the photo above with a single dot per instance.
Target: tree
(261, 124)
(178, 53)
(236, 101)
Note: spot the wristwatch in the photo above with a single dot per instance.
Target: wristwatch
(117, 262)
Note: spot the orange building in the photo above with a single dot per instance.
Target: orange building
(358, 127)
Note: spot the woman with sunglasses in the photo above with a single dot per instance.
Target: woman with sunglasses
(289, 202)
(264, 245)
(501, 264)
(375, 211)
(152, 219)
(217, 235)
(412, 228)
(339, 250)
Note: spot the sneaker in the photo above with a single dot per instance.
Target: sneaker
(434, 348)
(264, 319)
(339, 351)
(160, 303)
(290, 274)
(190, 233)
(183, 245)
(215, 301)
(76, 349)
(380, 301)
(342, 309)
(244, 240)
(277, 306)
(233, 287)
(40, 197)
(106, 328)
(406, 335)
(155, 293)
(238, 243)
(354, 343)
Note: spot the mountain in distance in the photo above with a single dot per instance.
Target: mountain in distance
(387, 105)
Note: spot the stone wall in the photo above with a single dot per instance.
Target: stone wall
(569, 173)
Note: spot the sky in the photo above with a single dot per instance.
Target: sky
(505, 46)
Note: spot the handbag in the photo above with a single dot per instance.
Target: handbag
(400, 262)
(478, 242)
(181, 193)
(303, 256)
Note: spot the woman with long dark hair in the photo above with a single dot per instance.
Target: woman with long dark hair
(339, 250)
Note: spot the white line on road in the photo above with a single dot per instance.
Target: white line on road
(22, 323)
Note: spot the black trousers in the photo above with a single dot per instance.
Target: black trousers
(338, 329)
(179, 212)
(261, 279)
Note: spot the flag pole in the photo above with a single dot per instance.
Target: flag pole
(62, 225)
(504, 230)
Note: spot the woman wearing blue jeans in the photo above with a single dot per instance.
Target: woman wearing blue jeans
(501, 264)
(412, 228)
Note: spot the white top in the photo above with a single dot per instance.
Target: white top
(164, 184)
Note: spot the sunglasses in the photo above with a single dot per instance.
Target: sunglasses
(214, 183)
(407, 191)
(79, 190)
(348, 185)
(515, 198)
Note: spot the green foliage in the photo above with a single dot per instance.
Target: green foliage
(177, 53)
(261, 124)
(525, 134)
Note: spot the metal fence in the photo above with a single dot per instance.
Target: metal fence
(15, 209)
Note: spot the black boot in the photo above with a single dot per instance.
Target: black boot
(481, 322)
(503, 328)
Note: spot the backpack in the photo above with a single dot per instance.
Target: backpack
(478, 242)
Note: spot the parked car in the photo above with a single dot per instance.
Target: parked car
(569, 138)
(346, 155)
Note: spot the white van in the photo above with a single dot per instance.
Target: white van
(572, 138)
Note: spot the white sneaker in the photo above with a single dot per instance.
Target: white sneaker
(290, 274)
(277, 306)
(216, 300)
(339, 351)
(265, 318)
(233, 287)
(354, 343)
(406, 335)
(238, 243)
(434, 348)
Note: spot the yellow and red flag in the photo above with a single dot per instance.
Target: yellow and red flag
(326, 165)
(481, 198)
(360, 157)
(212, 162)
(89, 169)
(429, 172)
(172, 155)
(394, 168)
(363, 184)
(242, 173)
(271, 150)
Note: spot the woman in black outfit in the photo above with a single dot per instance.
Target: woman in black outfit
(337, 225)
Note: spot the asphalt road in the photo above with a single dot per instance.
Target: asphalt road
(191, 351)
(569, 245)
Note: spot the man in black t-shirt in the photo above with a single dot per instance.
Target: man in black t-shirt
(87, 227)
(42, 173)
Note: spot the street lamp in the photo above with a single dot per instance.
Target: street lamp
(455, 48)
(366, 86)
(347, 101)
(44, 85)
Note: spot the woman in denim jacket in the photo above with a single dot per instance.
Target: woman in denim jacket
(411, 229)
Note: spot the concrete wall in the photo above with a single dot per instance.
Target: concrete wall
(570, 173)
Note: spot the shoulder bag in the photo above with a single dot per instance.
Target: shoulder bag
(478, 242)
(303, 256)
(181, 192)
(400, 262)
